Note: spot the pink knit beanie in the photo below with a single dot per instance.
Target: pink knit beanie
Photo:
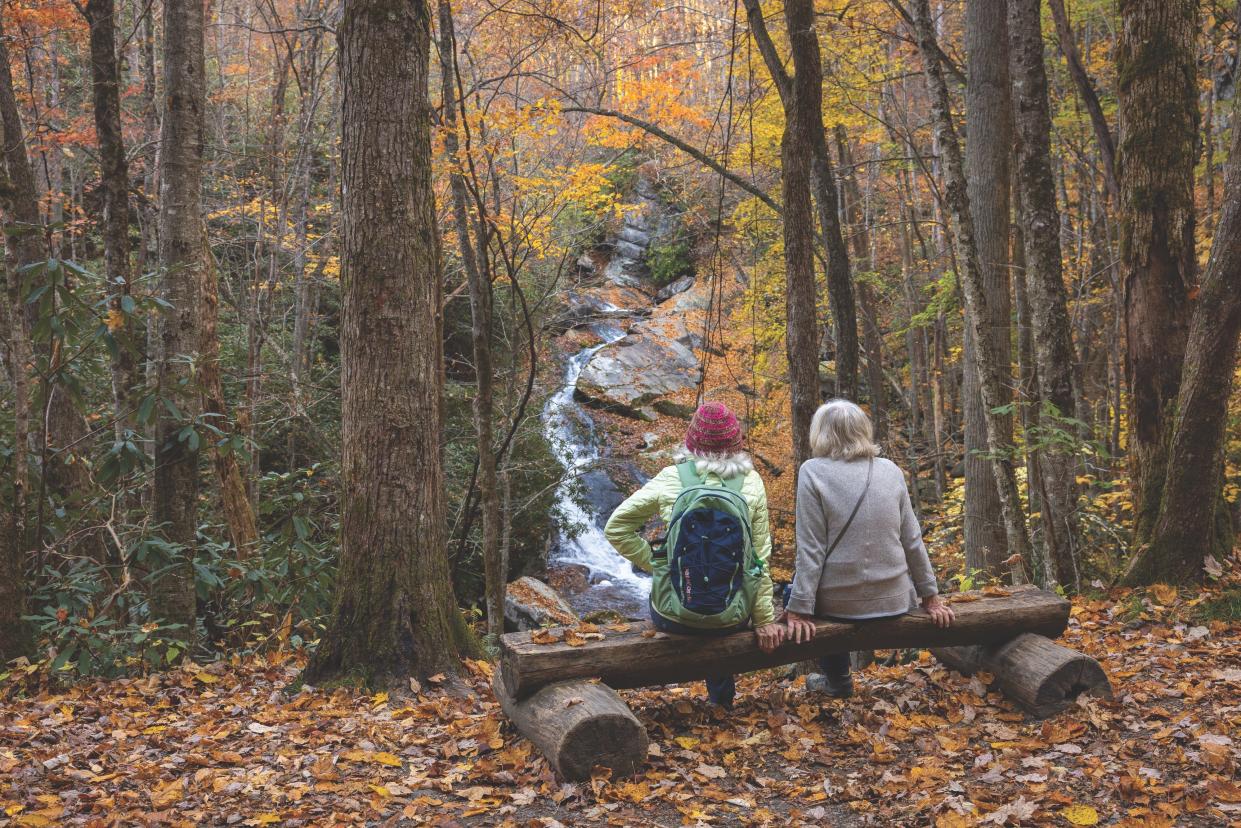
(713, 430)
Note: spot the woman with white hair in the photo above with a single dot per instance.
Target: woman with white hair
(860, 553)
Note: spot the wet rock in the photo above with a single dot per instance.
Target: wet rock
(634, 372)
(636, 236)
(629, 250)
(672, 408)
(624, 271)
(673, 288)
(595, 304)
(530, 604)
(570, 578)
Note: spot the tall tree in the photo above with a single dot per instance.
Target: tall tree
(1192, 520)
(988, 112)
(479, 285)
(806, 59)
(394, 612)
(987, 365)
(1044, 280)
(802, 117)
(114, 223)
(1156, 62)
(183, 282)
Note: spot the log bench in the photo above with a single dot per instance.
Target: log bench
(561, 694)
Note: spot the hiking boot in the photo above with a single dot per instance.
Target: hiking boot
(838, 687)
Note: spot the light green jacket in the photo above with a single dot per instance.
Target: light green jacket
(659, 495)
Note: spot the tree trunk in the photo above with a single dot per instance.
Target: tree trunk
(1157, 87)
(1040, 675)
(988, 365)
(182, 243)
(15, 637)
(806, 59)
(394, 613)
(479, 285)
(578, 725)
(1192, 521)
(1044, 280)
(637, 659)
(872, 337)
(796, 150)
(987, 153)
(1085, 88)
(114, 178)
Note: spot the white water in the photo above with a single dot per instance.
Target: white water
(571, 434)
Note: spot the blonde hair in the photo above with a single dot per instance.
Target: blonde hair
(724, 466)
(842, 431)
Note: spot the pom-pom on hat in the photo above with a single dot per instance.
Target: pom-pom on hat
(713, 430)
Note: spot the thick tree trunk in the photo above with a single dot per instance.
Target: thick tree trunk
(182, 244)
(15, 637)
(636, 659)
(796, 169)
(114, 178)
(1044, 280)
(987, 154)
(1156, 62)
(989, 365)
(1192, 521)
(394, 612)
(479, 284)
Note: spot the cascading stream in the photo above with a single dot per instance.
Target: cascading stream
(571, 433)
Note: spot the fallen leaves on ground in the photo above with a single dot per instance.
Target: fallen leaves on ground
(232, 744)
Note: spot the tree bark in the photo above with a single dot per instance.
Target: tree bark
(15, 638)
(806, 60)
(796, 169)
(114, 179)
(1044, 279)
(988, 365)
(578, 725)
(872, 336)
(394, 613)
(182, 243)
(479, 285)
(1156, 63)
(632, 659)
(1192, 521)
(987, 154)
(1038, 674)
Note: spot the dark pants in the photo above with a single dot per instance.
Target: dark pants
(720, 689)
(834, 666)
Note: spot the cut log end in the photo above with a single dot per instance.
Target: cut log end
(578, 725)
(1038, 674)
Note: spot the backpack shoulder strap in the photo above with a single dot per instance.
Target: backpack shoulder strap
(735, 483)
(870, 470)
(688, 474)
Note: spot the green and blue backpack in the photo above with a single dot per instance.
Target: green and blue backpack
(705, 571)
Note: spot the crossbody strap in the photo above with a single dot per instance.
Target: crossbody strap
(870, 469)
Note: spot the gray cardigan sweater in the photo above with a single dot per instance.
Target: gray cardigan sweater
(880, 565)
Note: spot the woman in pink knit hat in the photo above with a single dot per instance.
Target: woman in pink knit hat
(710, 571)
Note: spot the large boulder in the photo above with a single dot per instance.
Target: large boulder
(609, 301)
(633, 372)
(530, 604)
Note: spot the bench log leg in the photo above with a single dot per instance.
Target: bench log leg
(578, 725)
(1037, 673)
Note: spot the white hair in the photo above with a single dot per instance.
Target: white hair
(842, 431)
(722, 464)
